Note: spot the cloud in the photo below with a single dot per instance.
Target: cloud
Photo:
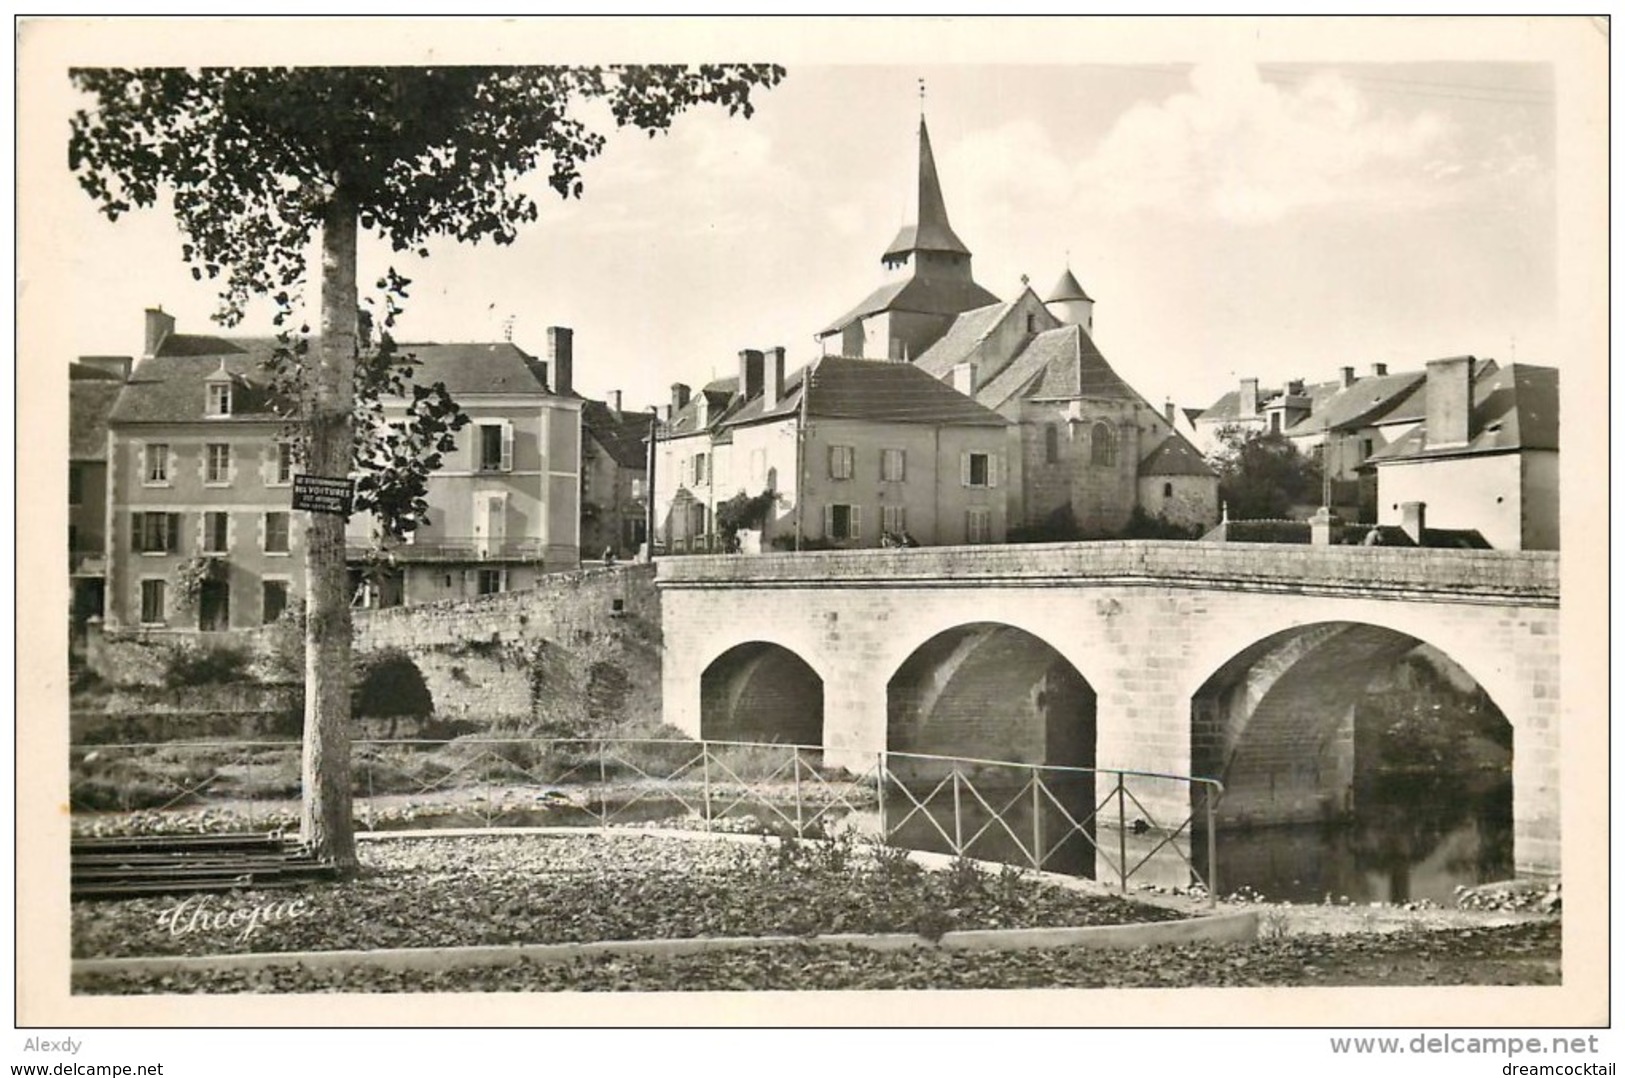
(1246, 151)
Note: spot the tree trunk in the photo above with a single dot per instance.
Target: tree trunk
(325, 821)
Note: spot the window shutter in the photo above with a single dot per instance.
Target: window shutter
(994, 460)
(834, 449)
(902, 465)
(173, 538)
(829, 522)
(964, 469)
(507, 446)
(856, 524)
(135, 530)
(141, 461)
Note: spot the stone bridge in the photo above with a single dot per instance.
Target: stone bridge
(1237, 661)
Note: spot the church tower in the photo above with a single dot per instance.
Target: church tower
(1071, 304)
(929, 283)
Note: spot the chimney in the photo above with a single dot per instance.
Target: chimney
(1450, 401)
(615, 401)
(1379, 369)
(560, 359)
(1248, 408)
(1294, 388)
(1168, 411)
(965, 377)
(750, 374)
(773, 378)
(1348, 377)
(1413, 517)
(679, 399)
(159, 327)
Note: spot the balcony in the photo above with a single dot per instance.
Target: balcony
(450, 549)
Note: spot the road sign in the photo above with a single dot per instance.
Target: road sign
(319, 494)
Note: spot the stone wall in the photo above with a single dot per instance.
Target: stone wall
(578, 652)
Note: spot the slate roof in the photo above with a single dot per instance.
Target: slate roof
(931, 232)
(1058, 364)
(90, 401)
(1360, 404)
(169, 387)
(1516, 407)
(621, 434)
(842, 387)
(1414, 408)
(1067, 288)
(969, 330)
(1175, 456)
(920, 295)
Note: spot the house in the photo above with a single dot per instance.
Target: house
(851, 452)
(614, 477)
(201, 534)
(93, 387)
(1349, 421)
(504, 506)
(1483, 455)
(1086, 449)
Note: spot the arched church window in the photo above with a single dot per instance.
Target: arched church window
(1102, 445)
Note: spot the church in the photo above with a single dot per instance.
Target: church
(1085, 450)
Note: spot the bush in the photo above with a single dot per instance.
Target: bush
(1142, 525)
(215, 664)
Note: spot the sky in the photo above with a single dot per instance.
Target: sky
(1231, 217)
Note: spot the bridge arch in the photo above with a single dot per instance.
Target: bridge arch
(1284, 723)
(761, 691)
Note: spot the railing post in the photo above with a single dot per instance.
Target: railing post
(371, 824)
(959, 833)
(880, 794)
(796, 763)
(603, 786)
(1038, 831)
(1122, 838)
(1212, 847)
(705, 771)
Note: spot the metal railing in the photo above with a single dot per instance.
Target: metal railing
(1105, 823)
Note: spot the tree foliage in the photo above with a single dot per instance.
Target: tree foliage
(257, 160)
(1262, 476)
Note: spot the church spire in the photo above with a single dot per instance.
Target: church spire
(930, 231)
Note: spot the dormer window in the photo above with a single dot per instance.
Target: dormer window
(219, 393)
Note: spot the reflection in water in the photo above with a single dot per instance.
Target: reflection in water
(1412, 838)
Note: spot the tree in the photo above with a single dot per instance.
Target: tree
(258, 160)
(1262, 476)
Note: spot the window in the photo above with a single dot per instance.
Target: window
(841, 458)
(155, 533)
(1167, 490)
(1052, 444)
(76, 485)
(699, 468)
(216, 529)
(276, 533)
(978, 525)
(492, 581)
(1275, 422)
(639, 485)
(273, 600)
(217, 463)
(893, 519)
(1032, 323)
(219, 398)
(843, 522)
(152, 602)
(893, 465)
(156, 468)
(490, 447)
(1365, 448)
(696, 524)
(1102, 445)
(284, 464)
(977, 470)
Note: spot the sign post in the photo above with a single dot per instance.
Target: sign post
(318, 494)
